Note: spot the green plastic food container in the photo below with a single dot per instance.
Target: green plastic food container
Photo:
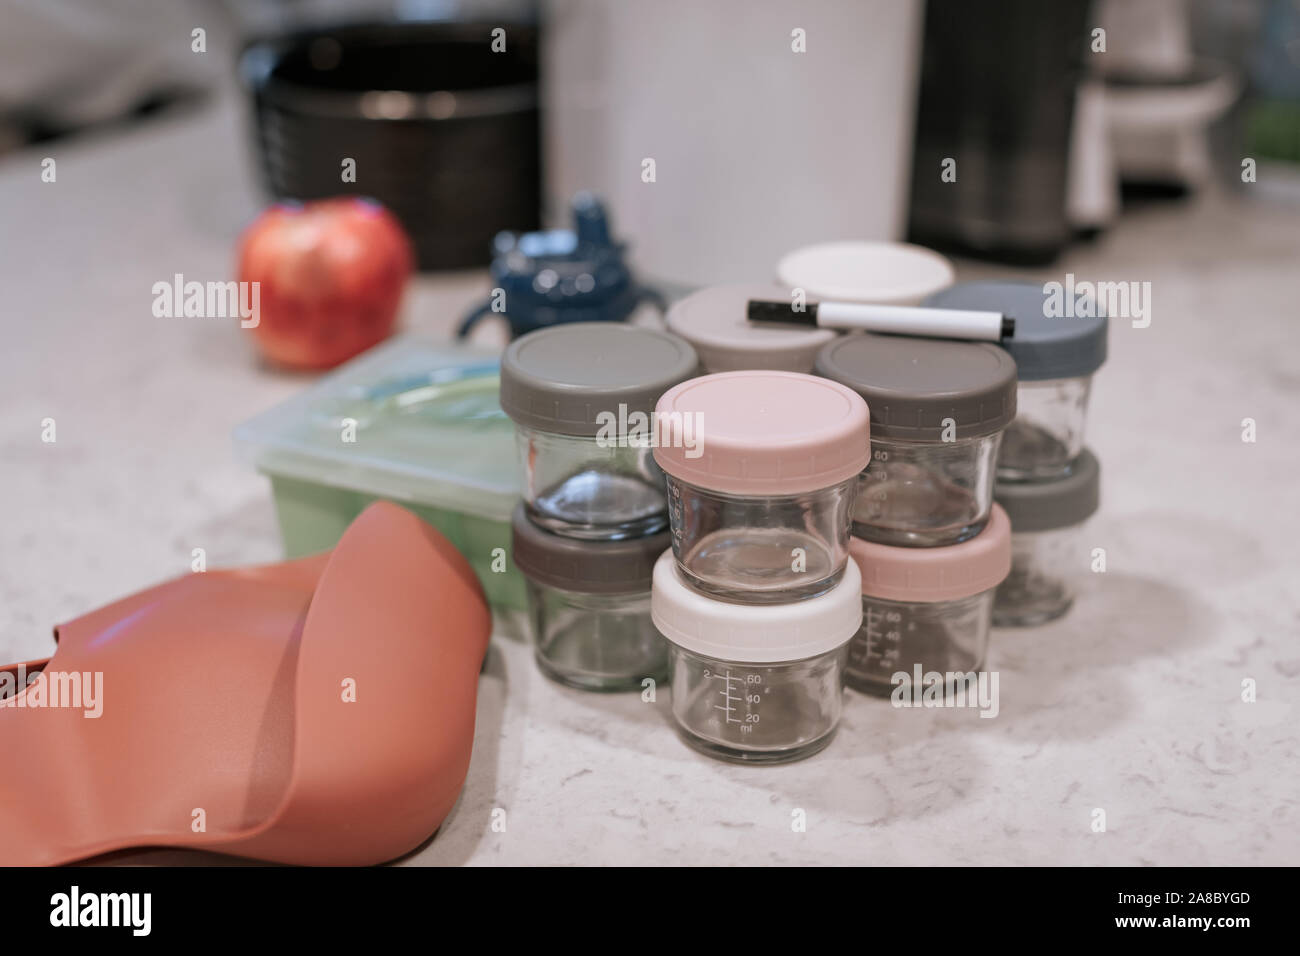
(412, 421)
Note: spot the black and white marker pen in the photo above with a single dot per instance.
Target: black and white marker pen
(892, 319)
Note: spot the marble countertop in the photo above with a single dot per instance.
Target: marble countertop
(1131, 704)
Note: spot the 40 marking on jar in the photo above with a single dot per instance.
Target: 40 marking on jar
(741, 695)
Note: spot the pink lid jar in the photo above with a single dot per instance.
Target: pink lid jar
(926, 610)
(761, 469)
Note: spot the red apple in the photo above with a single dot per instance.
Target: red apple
(331, 277)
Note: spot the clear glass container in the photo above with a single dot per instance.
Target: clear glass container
(926, 494)
(896, 637)
(757, 713)
(584, 487)
(761, 549)
(603, 642)
(1038, 588)
(1047, 434)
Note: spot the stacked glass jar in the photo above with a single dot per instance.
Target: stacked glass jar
(1046, 479)
(594, 515)
(930, 543)
(757, 597)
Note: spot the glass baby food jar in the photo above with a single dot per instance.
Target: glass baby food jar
(938, 408)
(1045, 548)
(589, 605)
(581, 396)
(926, 611)
(715, 321)
(755, 683)
(882, 273)
(1057, 350)
(761, 470)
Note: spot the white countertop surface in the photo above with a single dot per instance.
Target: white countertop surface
(1130, 704)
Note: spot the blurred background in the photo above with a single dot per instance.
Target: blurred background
(1062, 115)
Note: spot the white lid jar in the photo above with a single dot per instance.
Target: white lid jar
(755, 683)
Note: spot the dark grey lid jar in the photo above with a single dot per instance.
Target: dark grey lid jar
(589, 607)
(938, 409)
(1045, 345)
(567, 379)
(582, 396)
(919, 389)
(1059, 344)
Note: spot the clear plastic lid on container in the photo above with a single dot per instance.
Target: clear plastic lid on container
(762, 433)
(1045, 346)
(411, 420)
(913, 386)
(929, 575)
(754, 633)
(881, 273)
(567, 379)
(715, 321)
(587, 567)
(1053, 503)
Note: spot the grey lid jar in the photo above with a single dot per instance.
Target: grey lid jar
(1056, 503)
(1044, 346)
(912, 385)
(565, 379)
(587, 567)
